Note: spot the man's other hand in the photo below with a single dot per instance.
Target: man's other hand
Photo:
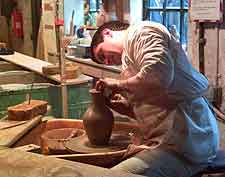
(121, 105)
(112, 84)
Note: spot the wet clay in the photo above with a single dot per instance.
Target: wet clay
(98, 120)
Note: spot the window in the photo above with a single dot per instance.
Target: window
(95, 5)
(94, 8)
(171, 13)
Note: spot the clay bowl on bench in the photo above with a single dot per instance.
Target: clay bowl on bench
(52, 141)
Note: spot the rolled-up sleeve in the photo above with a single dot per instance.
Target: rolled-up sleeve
(151, 51)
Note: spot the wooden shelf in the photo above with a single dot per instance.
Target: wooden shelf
(93, 69)
(35, 65)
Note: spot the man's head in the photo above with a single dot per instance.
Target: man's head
(105, 46)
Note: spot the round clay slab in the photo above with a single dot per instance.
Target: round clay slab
(118, 141)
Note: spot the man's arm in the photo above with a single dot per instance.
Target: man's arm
(121, 105)
(150, 51)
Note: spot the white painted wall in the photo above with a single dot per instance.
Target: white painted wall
(136, 11)
(69, 6)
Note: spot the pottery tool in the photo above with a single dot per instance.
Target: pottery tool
(29, 94)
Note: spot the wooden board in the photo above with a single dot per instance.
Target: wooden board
(40, 51)
(91, 68)
(4, 30)
(29, 148)
(18, 163)
(193, 45)
(6, 66)
(49, 33)
(211, 47)
(10, 135)
(71, 70)
(16, 77)
(35, 65)
(221, 64)
(27, 41)
(49, 29)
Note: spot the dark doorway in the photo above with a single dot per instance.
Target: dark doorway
(36, 18)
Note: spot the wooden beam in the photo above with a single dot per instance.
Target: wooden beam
(35, 65)
(63, 87)
(9, 136)
(20, 163)
(119, 10)
(93, 69)
(1, 7)
(4, 30)
(6, 66)
(16, 77)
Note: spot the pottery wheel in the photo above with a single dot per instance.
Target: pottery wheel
(81, 144)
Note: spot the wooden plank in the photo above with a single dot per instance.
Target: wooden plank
(19, 163)
(16, 77)
(193, 44)
(26, 61)
(120, 10)
(4, 30)
(29, 148)
(1, 7)
(40, 52)
(93, 69)
(211, 55)
(71, 70)
(64, 88)
(109, 74)
(26, 8)
(9, 136)
(36, 65)
(105, 160)
(49, 31)
(6, 66)
(222, 65)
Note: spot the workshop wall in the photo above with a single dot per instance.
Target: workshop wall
(78, 7)
(21, 44)
(25, 6)
(214, 63)
(4, 35)
(214, 54)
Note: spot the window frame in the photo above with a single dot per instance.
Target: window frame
(98, 3)
(147, 9)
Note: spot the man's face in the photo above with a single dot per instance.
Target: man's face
(108, 52)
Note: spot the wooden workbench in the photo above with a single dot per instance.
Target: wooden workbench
(95, 70)
(35, 65)
(16, 163)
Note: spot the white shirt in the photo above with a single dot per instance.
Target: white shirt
(189, 127)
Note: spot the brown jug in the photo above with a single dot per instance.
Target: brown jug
(98, 120)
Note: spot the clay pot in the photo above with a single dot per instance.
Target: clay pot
(52, 141)
(98, 120)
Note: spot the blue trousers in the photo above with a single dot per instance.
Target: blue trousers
(159, 162)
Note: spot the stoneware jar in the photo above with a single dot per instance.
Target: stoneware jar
(98, 120)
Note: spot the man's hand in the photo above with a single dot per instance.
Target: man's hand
(134, 149)
(112, 84)
(121, 105)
